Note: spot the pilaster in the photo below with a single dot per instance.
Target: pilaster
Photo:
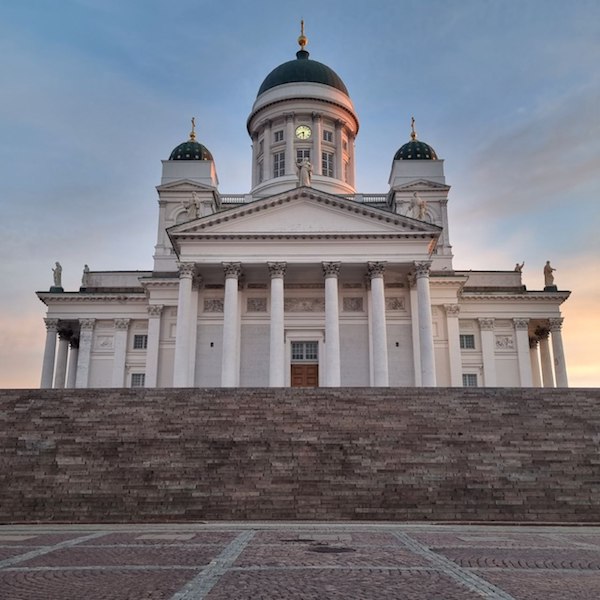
(488, 351)
(454, 355)
(86, 335)
(152, 351)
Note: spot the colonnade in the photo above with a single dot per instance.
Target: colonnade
(548, 369)
(183, 370)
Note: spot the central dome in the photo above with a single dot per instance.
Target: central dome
(302, 70)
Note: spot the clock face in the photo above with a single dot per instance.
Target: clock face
(303, 132)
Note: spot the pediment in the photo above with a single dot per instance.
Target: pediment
(422, 185)
(304, 211)
(184, 185)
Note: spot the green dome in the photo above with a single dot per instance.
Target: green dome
(191, 150)
(416, 150)
(302, 70)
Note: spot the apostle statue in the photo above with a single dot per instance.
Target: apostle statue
(418, 207)
(519, 267)
(192, 206)
(548, 277)
(85, 276)
(57, 275)
(304, 173)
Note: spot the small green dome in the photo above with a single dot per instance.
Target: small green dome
(191, 150)
(302, 70)
(416, 150)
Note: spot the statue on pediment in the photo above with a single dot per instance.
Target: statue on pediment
(519, 267)
(548, 276)
(304, 173)
(57, 275)
(418, 207)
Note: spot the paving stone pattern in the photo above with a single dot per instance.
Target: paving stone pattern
(262, 561)
(289, 454)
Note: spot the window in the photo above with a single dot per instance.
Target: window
(138, 380)
(302, 153)
(305, 351)
(469, 380)
(261, 146)
(279, 164)
(261, 174)
(467, 341)
(327, 164)
(140, 342)
(328, 136)
(278, 136)
(345, 144)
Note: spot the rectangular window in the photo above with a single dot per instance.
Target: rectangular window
(345, 145)
(261, 174)
(327, 164)
(328, 136)
(469, 380)
(140, 342)
(467, 341)
(305, 351)
(302, 153)
(261, 146)
(138, 380)
(279, 164)
(278, 136)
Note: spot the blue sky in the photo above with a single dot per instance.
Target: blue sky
(96, 92)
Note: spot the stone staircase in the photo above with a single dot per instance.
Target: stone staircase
(117, 455)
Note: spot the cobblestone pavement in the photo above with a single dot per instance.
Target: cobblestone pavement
(293, 561)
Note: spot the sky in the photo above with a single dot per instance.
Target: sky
(95, 93)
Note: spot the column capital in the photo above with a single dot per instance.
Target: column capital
(422, 269)
(331, 269)
(542, 333)
(317, 116)
(232, 270)
(521, 323)
(51, 324)
(64, 334)
(277, 269)
(452, 310)
(154, 310)
(122, 324)
(555, 324)
(486, 324)
(289, 116)
(186, 269)
(375, 269)
(86, 324)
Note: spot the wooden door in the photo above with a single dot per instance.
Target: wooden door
(305, 375)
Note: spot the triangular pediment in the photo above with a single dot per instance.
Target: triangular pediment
(304, 211)
(184, 185)
(421, 185)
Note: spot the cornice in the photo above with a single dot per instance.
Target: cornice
(529, 296)
(75, 297)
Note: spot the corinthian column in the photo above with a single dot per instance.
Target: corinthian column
(523, 357)
(425, 324)
(375, 272)
(276, 347)
(120, 352)
(154, 312)
(229, 366)
(183, 327)
(560, 367)
(488, 352)
(331, 271)
(535, 362)
(49, 353)
(454, 356)
(73, 356)
(60, 375)
(86, 335)
(545, 358)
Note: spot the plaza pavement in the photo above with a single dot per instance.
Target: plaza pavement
(308, 561)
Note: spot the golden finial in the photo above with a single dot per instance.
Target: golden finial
(193, 131)
(302, 40)
(413, 133)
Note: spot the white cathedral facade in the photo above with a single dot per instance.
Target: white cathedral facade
(303, 281)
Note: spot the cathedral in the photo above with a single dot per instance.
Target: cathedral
(303, 280)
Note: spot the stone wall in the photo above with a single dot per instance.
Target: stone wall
(349, 453)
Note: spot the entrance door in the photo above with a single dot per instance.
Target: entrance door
(304, 375)
(305, 364)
